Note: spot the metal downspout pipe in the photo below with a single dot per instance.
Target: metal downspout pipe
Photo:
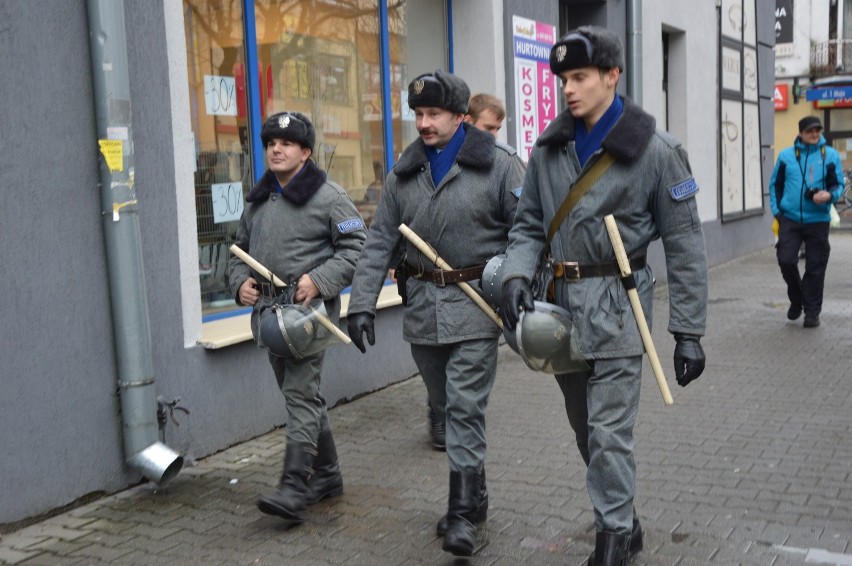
(634, 51)
(108, 45)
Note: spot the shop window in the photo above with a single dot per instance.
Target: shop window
(313, 52)
(217, 94)
(318, 57)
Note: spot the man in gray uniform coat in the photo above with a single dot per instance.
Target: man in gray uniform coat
(306, 230)
(650, 190)
(457, 189)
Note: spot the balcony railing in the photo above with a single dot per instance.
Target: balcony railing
(833, 57)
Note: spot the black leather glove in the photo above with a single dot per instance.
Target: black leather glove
(516, 295)
(358, 324)
(689, 358)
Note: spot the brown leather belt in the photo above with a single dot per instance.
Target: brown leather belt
(573, 271)
(441, 277)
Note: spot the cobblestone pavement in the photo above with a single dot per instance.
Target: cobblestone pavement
(751, 465)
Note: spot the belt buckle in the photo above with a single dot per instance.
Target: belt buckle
(572, 270)
(265, 289)
(443, 283)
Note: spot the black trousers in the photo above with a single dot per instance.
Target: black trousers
(803, 290)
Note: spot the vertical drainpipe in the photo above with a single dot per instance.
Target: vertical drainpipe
(108, 44)
(634, 51)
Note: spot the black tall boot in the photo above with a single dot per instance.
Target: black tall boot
(326, 480)
(637, 539)
(288, 502)
(611, 549)
(480, 513)
(461, 530)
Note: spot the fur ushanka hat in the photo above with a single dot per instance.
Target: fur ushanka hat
(292, 126)
(587, 46)
(439, 90)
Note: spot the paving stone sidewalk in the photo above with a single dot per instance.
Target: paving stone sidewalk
(751, 465)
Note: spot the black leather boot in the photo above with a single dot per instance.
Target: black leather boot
(611, 549)
(437, 431)
(480, 513)
(288, 502)
(637, 539)
(460, 537)
(326, 480)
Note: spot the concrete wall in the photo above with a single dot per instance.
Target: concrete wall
(810, 25)
(480, 62)
(58, 409)
(693, 111)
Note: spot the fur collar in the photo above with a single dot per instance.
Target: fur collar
(476, 152)
(626, 141)
(299, 190)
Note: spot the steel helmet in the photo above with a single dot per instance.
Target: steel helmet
(546, 340)
(492, 280)
(294, 331)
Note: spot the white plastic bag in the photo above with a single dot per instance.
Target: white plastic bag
(835, 218)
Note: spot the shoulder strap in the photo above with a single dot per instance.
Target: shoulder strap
(580, 188)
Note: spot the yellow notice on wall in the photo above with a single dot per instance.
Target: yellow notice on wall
(113, 152)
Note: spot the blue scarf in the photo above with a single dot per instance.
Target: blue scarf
(440, 160)
(587, 143)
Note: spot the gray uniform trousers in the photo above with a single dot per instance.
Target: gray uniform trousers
(299, 381)
(602, 407)
(459, 378)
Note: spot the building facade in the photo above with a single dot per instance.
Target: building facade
(813, 71)
(202, 76)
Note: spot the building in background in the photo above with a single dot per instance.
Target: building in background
(813, 71)
(203, 76)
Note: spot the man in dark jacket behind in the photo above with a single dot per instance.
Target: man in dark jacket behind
(457, 190)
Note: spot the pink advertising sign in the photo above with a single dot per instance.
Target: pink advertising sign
(535, 85)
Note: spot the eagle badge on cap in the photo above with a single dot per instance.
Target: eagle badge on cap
(418, 86)
(283, 122)
(561, 52)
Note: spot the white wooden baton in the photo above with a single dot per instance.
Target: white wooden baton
(433, 256)
(624, 267)
(257, 266)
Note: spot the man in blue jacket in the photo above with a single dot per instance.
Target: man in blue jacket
(802, 189)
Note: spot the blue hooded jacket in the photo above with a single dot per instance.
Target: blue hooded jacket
(801, 168)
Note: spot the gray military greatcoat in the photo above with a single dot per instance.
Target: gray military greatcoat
(466, 218)
(644, 189)
(321, 237)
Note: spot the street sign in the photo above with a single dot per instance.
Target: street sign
(828, 93)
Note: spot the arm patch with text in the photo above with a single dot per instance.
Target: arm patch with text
(517, 191)
(350, 225)
(684, 190)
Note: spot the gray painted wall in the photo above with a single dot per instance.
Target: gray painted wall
(58, 408)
